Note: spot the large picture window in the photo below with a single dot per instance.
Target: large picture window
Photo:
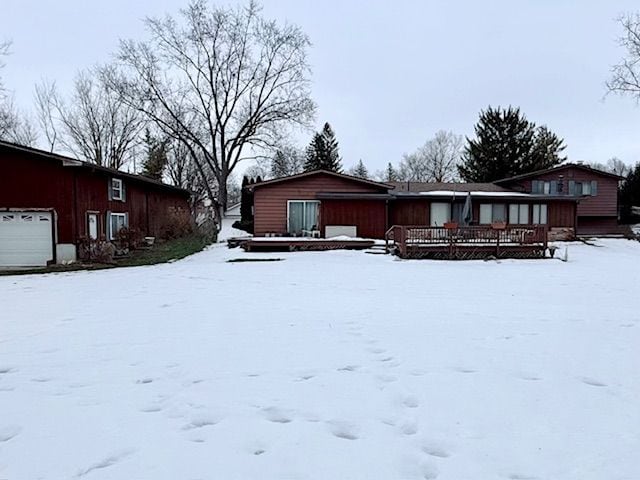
(302, 215)
(492, 212)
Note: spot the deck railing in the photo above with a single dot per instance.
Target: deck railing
(404, 237)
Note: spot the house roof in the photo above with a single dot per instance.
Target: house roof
(579, 166)
(74, 162)
(420, 187)
(318, 172)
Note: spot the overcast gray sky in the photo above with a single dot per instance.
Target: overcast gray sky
(387, 75)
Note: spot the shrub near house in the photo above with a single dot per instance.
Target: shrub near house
(51, 206)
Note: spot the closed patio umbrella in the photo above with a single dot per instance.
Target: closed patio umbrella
(467, 212)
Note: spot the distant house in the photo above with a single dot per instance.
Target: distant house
(322, 203)
(233, 212)
(49, 202)
(595, 190)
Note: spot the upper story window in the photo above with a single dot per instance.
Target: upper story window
(541, 187)
(583, 188)
(116, 189)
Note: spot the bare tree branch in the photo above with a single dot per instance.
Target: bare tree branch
(223, 81)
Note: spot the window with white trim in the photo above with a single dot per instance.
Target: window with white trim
(117, 189)
(539, 214)
(117, 221)
(519, 214)
(492, 212)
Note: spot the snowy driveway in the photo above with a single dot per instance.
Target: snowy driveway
(327, 365)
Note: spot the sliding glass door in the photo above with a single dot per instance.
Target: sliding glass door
(302, 215)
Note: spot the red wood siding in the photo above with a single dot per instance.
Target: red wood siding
(409, 212)
(597, 226)
(370, 216)
(31, 181)
(605, 203)
(270, 201)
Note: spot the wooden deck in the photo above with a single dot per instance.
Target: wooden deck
(467, 243)
(291, 244)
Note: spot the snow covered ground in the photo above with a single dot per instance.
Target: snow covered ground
(326, 365)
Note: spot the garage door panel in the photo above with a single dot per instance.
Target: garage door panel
(25, 239)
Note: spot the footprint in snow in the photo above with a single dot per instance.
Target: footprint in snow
(151, 408)
(277, 415)
(409, 427)
(465, 370)
(376, 350)
(345, 430)
(387, 378)
(8, 432)
(349, 368)
(5, 370)
(201, 421)
(304, 376)
(435, 450)
(593, 382)
(106, 462)
(411, 401)
(143, 381)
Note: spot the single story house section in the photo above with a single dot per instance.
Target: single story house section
(49, 202)
(327, 204)
(596, 190)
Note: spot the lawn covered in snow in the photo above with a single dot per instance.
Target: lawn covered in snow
(326, 365)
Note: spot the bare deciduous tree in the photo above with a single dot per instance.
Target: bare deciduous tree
(4, 51)
(15, 126)
(436, 161)
(92, 124)
(613, 165)
(224, 82)
(625, 76)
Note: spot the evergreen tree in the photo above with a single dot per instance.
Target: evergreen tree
(156, 156)
(390, 174)
(246, 207)
(547, 149)
(629, 194)
(322, 153)
(360, 170)
(507, 144)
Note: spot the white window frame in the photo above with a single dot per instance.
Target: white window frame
(119, 189)
(125, 224)
(304, 211)
(540, 214)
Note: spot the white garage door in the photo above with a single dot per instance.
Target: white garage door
(25, 239)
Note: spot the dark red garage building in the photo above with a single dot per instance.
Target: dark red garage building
(49, 202)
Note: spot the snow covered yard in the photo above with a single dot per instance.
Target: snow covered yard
(326, 365)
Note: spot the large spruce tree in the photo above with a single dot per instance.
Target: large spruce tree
(507, 144)
(322, 152)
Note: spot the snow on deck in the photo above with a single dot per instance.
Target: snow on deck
(326, 365)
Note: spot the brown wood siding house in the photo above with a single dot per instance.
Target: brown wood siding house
(595, 190)
(77, 196)
(272, 203)
(323, 199)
